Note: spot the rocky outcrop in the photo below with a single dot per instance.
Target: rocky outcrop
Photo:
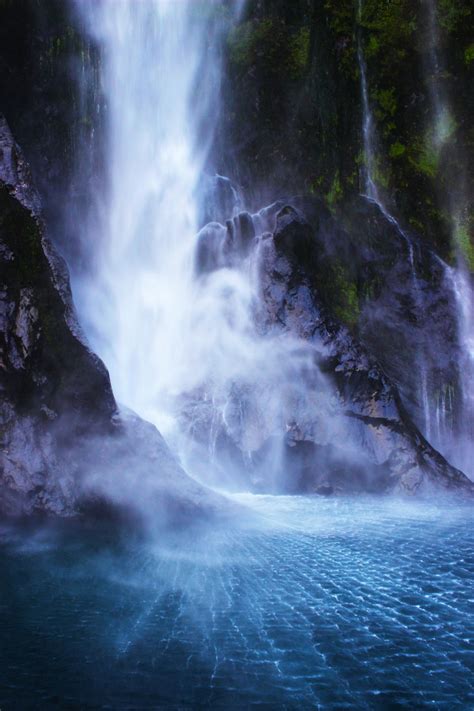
(53, 387)
(396, 297)
(341, 425)
(398, 455)
(65, 448)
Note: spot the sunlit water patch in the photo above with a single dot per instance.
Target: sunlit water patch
(314, 604)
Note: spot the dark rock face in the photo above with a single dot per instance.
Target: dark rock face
(219, 246)
(292, 113)
(51, 383)
(367, 396)
(345, 427)
(394, 294)
(240, 236)
(40, 334)
(293, 236)
(43, 56)
(65, 449)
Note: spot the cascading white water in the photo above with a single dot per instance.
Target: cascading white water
(168, 335)
(165, 332)
(460, 445)
(142, 306)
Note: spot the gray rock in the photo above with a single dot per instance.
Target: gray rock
(346, 425)
(65, 449)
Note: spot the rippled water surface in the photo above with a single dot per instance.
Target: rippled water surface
(312, 604)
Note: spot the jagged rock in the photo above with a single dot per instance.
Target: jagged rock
(219, 246)
(367, 396)
(48, 374)
(346, 425)
(403, 309)
(64, 447)
(45, 360)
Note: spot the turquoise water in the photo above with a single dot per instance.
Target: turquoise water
(311, 603)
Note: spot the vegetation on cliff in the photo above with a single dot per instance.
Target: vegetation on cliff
(295, 76)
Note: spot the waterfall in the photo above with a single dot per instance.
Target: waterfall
(172, 336)
(181, 341)
(141, 305)
(459, 445)
(438, 422)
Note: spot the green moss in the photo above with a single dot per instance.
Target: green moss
(335, 193)
(316, 184)
(62, 44)
(346, 300)
(271, 44)
(353, 179)
(386, 99)
(341, 16)
(241, 42)
(425, 160)
(373, 46)
(452, 14)
(299, 49)
(381, 176)
(390, 24)
(416, 224)
(469, 54)
(464, 244)
(389, 128)
(397, 149)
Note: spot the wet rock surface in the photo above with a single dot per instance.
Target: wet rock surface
(64, 444)
(347, 427)
(403, 306)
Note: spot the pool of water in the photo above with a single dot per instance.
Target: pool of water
(310, 603)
